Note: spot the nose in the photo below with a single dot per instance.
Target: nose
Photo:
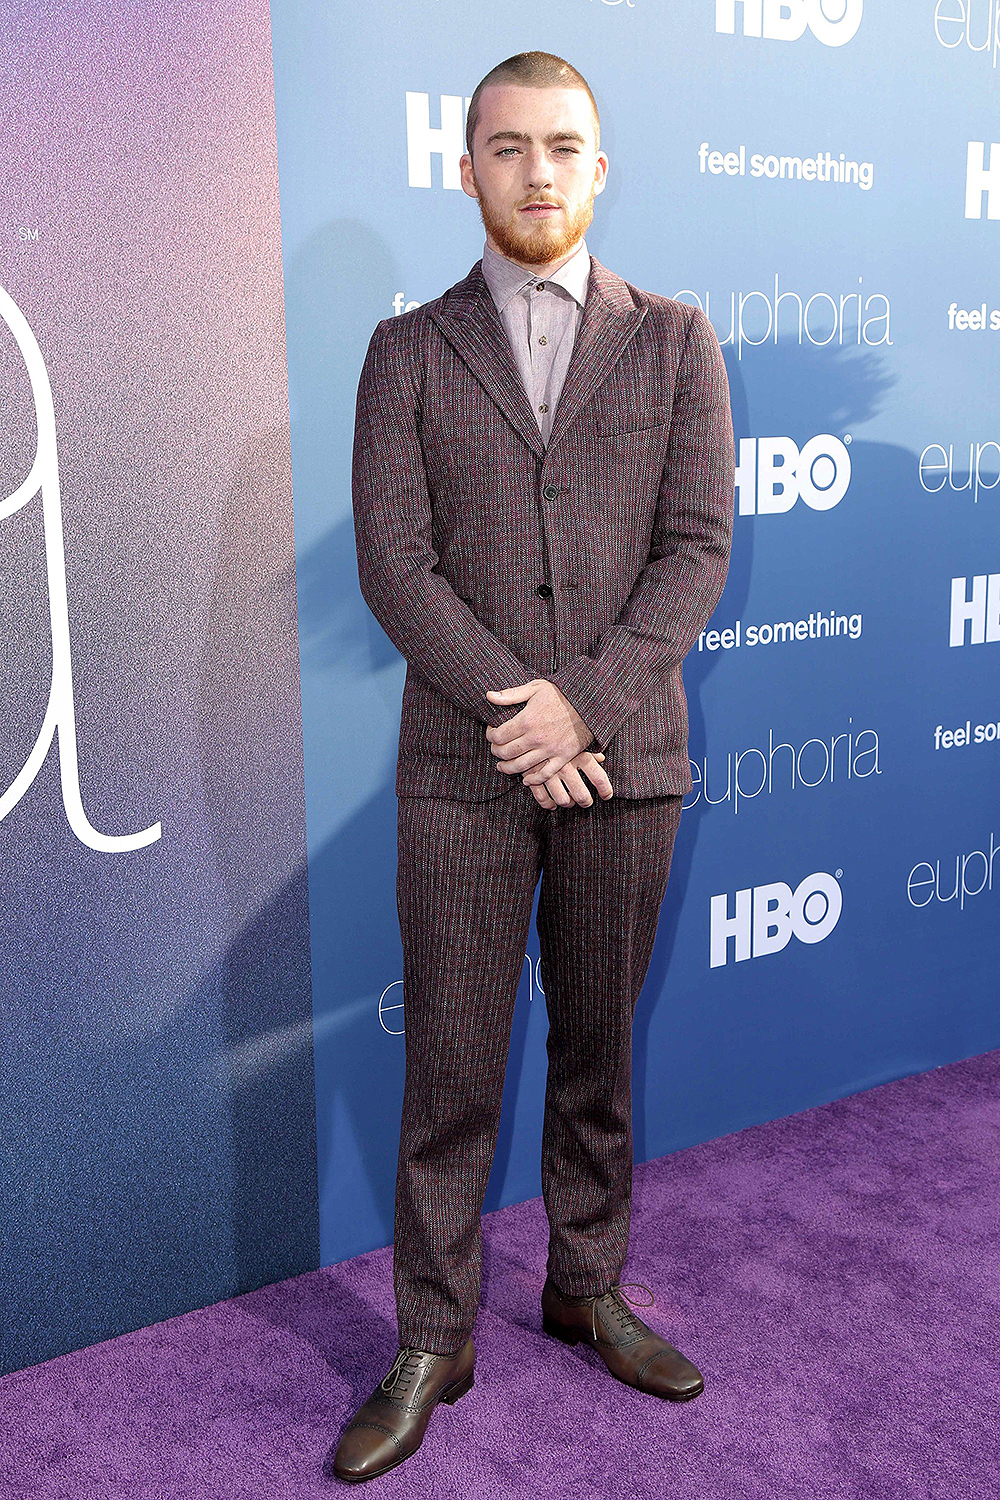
(538, 170)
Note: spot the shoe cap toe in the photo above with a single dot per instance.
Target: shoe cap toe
(364, 1450)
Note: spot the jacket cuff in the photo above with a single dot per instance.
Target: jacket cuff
(580, 681)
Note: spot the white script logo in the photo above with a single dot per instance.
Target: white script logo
(60, 713)
(752, 771)
(925, 889)
(981, 612)
(757, 317)
(944, 472)
(397, 1027)
(968, 22)
(766, 917)
(832, 22)
(773, 473)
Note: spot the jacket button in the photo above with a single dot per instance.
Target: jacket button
(545, 589)
(550, 492)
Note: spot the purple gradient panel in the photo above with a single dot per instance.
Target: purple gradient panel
(158, 1113)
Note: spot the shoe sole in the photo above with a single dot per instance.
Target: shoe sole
(576, 1336)
(449, 1397)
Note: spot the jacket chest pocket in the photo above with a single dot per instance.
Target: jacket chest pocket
(610, 424)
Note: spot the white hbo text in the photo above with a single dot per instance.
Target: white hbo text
(982, 182)
(767, 916)
(773, 473)
(832, 22)
(979, 609)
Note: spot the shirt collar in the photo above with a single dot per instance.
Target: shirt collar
(505, 279)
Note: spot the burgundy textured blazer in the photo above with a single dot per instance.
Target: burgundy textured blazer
(490, 558)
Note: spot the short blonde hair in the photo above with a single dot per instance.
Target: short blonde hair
(540, 70)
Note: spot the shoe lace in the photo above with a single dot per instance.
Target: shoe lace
(612, 1302)
(404, 1368)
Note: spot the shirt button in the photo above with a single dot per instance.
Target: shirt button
(550, 492)
(541, 285)
(545, 589)
(544, 340)
(545, 405)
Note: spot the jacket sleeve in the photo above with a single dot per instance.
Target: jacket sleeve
(681, 583)
(416, 606)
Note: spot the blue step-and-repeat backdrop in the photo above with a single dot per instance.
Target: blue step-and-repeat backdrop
(820, 176)
(199, 714)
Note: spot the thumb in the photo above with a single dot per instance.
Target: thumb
(512, 694)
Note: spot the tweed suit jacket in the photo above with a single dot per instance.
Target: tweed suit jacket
(490, 558)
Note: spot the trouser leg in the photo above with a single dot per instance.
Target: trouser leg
(605, 875)
(465, 887)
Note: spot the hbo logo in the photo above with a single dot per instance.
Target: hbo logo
(832, 22)
(773, 473)
(982, 611)
(767, 916)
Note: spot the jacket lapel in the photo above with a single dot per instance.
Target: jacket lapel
(469, 319)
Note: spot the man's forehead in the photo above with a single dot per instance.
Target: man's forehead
(567, 107)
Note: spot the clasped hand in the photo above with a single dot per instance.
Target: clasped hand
(546, 743)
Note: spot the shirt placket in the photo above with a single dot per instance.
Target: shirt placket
(540, 346)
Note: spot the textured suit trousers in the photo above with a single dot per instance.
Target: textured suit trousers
(466, 879)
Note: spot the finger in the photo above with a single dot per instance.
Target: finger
(554, 765)
(542, 797)
(516, 744)
(597, 776)
(576, 786)
(558, 792)
(504, 734)
(530, 760)
(546, 769)
(514, 694)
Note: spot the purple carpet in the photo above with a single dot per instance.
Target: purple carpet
(834, 1274)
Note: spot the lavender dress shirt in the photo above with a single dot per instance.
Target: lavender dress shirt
(541, 318)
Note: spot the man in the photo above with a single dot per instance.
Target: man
(543, 490)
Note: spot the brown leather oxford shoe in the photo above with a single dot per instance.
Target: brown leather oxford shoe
(390, 1426)
(632, 1352)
